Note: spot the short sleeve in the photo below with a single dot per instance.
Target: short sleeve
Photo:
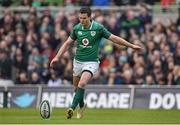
(73, 35)
(105, 33)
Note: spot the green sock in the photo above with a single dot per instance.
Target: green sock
(78, 97)
(81, 103)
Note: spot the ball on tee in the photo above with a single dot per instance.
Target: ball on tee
(45, 109)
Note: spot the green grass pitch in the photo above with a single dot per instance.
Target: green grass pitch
(92, 116)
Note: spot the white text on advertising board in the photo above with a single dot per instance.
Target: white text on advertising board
(166, 101)
(94, 100)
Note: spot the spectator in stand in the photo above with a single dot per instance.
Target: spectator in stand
(176, 75)
(27, 3)
(5, 65)
(47, 14)
(144, 16)
(149, 80)
(19, 63)
(54, 81)
(139, 75)
(128, 77)
(178, 20)
(129, 21)
(7, 22)
(35, 79)
(165, 4)
(35, 62)
(61, 20)
(46, 26)
(112, 24)
(22, 79)
(177, 54)
(45, 74)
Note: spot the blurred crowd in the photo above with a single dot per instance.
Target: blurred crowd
(28, 44)
(37, 3)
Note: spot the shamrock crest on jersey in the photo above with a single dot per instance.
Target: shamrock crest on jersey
(80, 32)
(93, 33)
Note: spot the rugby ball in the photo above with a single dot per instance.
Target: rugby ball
(45, 109)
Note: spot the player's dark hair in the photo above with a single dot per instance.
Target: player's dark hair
(86, 10)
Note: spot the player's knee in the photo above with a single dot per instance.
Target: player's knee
(82, 84)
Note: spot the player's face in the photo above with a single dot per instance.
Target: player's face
(84, 19)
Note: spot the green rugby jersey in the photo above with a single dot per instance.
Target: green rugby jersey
(88, 40)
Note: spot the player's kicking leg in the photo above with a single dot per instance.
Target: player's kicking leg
(79, 95)
(82, 104)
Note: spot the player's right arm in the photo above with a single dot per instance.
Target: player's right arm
(61, 51)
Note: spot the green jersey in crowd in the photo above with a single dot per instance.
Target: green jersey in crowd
(88, 40)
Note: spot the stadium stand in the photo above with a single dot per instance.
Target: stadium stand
(30, 37)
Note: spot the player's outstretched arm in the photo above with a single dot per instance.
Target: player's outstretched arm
(61, 51)
(121, 41)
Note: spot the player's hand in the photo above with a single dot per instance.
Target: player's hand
(137, 48)
(54, 61)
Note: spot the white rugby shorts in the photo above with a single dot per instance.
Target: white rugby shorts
(79, 67)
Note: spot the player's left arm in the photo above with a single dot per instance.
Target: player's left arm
(121, 41)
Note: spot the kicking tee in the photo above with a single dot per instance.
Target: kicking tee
(88, 40)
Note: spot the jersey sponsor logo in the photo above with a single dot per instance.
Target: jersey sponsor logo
(79, 32)
(85, 46)
(85, 42)
(93, 33)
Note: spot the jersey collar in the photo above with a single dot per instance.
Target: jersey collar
(90, 26)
